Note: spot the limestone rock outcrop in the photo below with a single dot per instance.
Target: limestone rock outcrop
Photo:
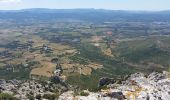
(138, 86)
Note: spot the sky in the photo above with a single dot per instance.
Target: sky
(149, 5)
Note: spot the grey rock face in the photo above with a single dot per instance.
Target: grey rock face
(138, 86)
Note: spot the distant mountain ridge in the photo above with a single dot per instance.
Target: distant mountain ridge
(97, 15)
(82, 9)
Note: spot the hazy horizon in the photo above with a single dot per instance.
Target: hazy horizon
(84, 9)
(132, 5)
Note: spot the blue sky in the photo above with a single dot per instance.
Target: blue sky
(98, 4)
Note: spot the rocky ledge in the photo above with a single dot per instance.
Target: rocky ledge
(138, 86)
(30, 89)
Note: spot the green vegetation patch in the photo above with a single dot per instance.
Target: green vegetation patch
(5, 96)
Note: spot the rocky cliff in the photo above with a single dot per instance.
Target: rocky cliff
(138, 86)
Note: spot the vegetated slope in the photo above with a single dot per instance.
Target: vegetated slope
(145, 55)
(151, 53)
(111, 67)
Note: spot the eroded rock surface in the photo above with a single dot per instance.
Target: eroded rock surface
(138, 86)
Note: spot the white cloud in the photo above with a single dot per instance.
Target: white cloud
(8, 1)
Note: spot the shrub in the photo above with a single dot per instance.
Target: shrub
(5, 96)
(49, 96)
(38, 96)
(84, 93)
